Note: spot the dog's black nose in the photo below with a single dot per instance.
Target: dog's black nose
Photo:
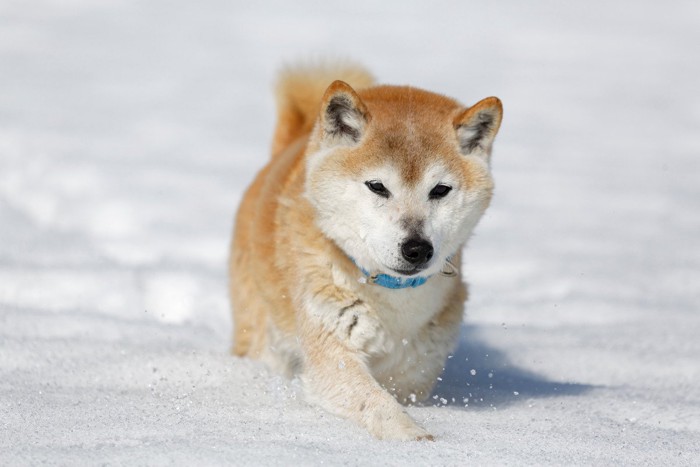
(417, 251)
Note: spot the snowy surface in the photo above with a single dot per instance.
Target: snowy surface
(128, 131)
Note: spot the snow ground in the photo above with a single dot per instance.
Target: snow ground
(128, 131)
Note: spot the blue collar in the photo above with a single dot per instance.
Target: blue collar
(391, 282)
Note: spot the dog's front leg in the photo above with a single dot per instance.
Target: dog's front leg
(349, 318)
(337, 377)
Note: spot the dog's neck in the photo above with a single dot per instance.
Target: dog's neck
(389, 282)
(392, 282)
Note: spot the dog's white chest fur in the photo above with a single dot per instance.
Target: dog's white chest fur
(403, 312)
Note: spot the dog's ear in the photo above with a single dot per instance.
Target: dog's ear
(477, 126)
(344, 116)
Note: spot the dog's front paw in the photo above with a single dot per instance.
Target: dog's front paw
(399, 426)
(359, 327)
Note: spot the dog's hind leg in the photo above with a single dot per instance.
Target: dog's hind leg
(249, 321)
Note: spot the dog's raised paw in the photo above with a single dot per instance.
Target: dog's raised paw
(358, 326)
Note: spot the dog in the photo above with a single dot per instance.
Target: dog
(347, 246)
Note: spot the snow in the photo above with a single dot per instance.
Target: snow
(129, 130)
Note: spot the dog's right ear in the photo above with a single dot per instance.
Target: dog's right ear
(344, 116)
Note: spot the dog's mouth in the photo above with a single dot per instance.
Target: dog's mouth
(407, 272)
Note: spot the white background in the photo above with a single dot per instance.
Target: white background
(129, 130)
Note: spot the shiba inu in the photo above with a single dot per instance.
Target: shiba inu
(347, 246)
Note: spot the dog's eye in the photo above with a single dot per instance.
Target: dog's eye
(440, 191)
(378, 187)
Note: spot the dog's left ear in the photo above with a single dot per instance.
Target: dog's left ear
(477, 126)
(343, 115)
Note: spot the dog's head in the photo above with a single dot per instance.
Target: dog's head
(400, 177)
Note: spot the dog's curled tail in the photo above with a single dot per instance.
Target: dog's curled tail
(299, 90)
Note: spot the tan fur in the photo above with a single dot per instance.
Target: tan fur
(297, 302)
(298, 93)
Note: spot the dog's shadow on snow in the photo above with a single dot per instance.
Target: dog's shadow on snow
(481, 377)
